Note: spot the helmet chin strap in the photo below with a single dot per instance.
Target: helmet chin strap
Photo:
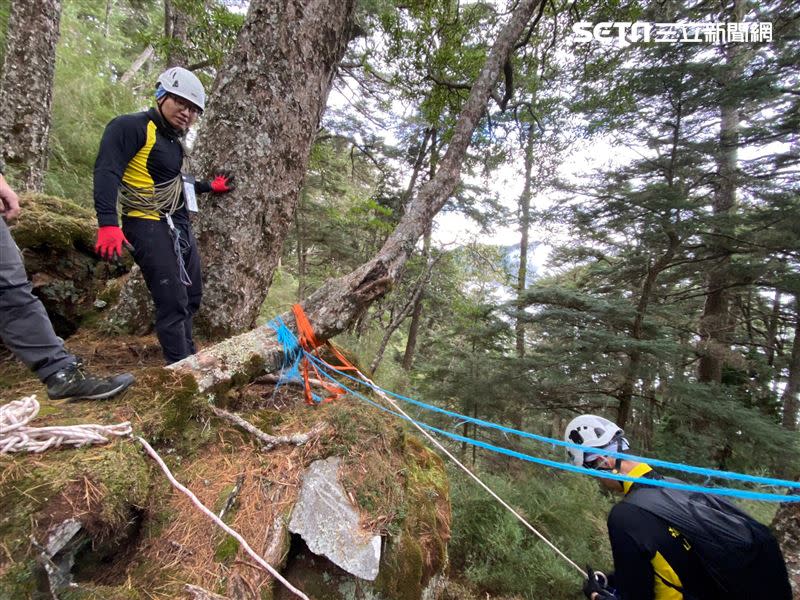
(617, 461)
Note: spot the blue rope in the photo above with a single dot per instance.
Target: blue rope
(735, 493)
(293, 353)
(540, 438)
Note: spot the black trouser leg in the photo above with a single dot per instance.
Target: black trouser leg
(175, 302)
(25, 327)
(191, 258)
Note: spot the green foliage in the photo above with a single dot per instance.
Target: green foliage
(87, 95)
(500, 556)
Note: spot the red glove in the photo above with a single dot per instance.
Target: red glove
(222, 182)
(110, 240)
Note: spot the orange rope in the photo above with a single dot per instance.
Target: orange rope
(309, 342)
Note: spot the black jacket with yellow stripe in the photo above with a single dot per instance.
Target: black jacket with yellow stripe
(142, 150)
(651, 557)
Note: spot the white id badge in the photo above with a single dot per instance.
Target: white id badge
(188, 193)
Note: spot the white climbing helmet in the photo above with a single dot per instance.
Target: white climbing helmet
(182, 82)
(590, 430)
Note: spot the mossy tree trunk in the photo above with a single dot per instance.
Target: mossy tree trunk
(263, 113)
(26, 87)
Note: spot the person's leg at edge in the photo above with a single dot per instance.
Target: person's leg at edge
(26, 330)
(25, 327)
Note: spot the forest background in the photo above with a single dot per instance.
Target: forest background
(670, 301)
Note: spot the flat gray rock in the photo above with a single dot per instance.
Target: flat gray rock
(329, 524)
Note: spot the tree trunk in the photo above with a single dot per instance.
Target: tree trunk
(635, 356)
(26, 87)
(786, 526)
(176, 30)
(772, 329)
(413, 303)
(524, 225)
(339, 302)
(416, 315)
(789, 399)
(260, 123)
(416, 312)
(715, 323)
(653, 271)
(137, 64)
(334, 306)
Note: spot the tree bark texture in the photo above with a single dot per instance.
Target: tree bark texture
(134, 311)
(339, 302)
(263, 113)
(786, 526)
(26, 87)
(789, 399)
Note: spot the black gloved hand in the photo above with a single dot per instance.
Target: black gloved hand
(597, 583)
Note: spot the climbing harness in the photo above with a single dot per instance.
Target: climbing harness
(163, 199)
(17, 436)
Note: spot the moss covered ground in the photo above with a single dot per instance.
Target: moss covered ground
(146, 541)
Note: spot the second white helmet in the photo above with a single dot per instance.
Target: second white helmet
(182, 82)
(589, 430)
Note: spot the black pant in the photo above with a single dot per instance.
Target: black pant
(176, 303)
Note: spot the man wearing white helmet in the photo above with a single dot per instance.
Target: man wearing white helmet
(141, 165)
(670, 544)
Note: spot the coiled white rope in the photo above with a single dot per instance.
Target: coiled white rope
(17, 436)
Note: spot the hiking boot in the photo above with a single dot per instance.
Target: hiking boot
(73, 383)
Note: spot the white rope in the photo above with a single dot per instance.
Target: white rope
(17, 436)
(434, 441)
(219, 521)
